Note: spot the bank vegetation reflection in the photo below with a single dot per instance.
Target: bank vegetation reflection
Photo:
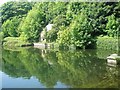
(75, 69)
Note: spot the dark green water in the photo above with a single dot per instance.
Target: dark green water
(35, 68)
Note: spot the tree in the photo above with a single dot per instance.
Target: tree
(81, 31)
(55, 9)
(64, 37)
(10, 27)
(78, 33)
(12, 9)
(111, 26)
(51, 35)
(32, 25)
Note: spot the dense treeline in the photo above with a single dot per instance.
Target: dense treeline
(74, 23)
(11, 17)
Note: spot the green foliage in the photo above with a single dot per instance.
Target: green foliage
(14, 42)
(12, 9)
(55, 9)
(5, 29)
(111, 26)
(78, 33)
(10, 27)
(32, 25)
(103, 52)
(106, 42)
(81, 32)
(80, 69)
(64, 37)
(51, 35)
(75, 23)
(60, 21)
(1, 35)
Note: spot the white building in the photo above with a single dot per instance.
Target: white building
(47, 28)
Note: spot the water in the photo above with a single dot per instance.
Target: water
(35, 68)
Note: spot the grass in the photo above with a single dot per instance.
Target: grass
(14, 42)
(106, 42)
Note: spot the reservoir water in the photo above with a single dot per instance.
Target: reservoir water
(36, 68)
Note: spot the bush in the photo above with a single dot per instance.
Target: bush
(10, 27)
(1, 36)
(79, 33)
(107, 43)
(32, 25)
(51, 35)
(64, 38)
(112, 26)
(14, 42)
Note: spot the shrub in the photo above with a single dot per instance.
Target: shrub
(51, 35)
(64, 38)
(79, 33)
(14, 42)
(106, 42)
(112, 26)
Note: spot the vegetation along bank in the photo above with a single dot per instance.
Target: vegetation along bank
(74, 23)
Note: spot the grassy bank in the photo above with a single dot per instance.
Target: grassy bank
(107, 43)
(15, 42)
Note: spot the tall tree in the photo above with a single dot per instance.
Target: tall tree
(10, 27)
(11, 9)
(32, 25)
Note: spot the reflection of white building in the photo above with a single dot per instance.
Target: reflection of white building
(112, 60)
(47, 28)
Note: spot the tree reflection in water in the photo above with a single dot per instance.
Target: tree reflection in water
(75, 69)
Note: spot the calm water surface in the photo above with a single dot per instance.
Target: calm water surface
(36, 68)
